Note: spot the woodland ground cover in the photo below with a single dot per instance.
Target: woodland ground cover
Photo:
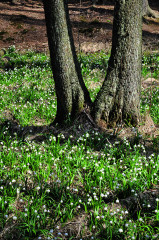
(78, 184)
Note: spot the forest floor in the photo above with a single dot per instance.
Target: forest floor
(22, 24)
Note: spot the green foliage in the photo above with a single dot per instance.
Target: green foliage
(27, 89)
(46, 185)
(150, 65)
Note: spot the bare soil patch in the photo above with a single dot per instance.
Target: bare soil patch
(22, 24)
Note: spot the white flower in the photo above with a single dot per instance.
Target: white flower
(14, 218)
(18, 190)
(120, 230)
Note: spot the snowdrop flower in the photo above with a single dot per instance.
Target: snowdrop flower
(14, 218)
(120, 230)
(140, 219)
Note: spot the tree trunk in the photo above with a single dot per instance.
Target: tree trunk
(147, 11)
(70, 89)
(119, 98)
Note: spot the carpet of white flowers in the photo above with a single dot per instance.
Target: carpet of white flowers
(88, 186)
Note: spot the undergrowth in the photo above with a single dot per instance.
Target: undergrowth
(88, 186)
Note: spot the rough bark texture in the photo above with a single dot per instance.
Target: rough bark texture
(147, 11)
(119, 98)
(70, 89)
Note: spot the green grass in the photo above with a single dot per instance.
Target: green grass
(64, 187)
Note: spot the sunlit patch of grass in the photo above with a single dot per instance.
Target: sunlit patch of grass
(150, 65)
(27, 88)
(97, 185)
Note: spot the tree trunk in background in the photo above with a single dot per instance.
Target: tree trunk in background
(119, 98)
(70, 89)
(147, 11)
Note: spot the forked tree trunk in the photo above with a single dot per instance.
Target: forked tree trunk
(70, 89)
(119, 98)
(147, 11)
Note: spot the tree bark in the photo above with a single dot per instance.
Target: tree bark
(70, 89)
(119, 98)
(147, 11)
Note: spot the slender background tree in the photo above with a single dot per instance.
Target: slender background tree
(147, 11)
